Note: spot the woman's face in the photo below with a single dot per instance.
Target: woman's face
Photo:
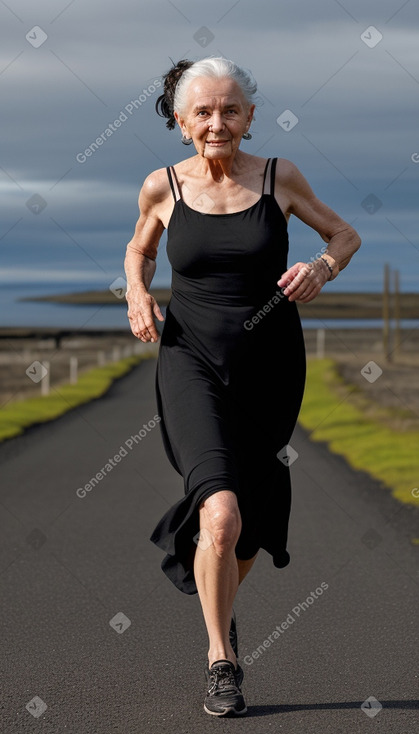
(216, 116)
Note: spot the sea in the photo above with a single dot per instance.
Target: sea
(17, 313)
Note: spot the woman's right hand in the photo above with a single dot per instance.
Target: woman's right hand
(141, 307)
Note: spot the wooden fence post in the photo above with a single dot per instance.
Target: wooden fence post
(45, 382)
(320, 342)
(74, 364)
(386, 313)
(397, 332)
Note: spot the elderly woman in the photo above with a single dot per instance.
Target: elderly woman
(231, 366)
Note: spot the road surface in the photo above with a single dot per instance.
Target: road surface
(95, 639)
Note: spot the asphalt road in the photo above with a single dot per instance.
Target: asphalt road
(95, 639)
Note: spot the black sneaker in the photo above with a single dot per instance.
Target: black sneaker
(233, 635)
(224, 695)
(238, 672)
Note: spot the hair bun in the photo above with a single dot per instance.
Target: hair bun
(164, 104)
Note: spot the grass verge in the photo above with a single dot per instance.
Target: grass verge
(18, 416)
(329, 415)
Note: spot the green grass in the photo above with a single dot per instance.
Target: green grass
(17, 416)
(328, 413)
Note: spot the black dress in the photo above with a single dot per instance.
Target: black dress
(230, 375)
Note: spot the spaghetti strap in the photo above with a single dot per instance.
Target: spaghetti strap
(268, 163)
(174, 185)
(176, 182)
(273, 170)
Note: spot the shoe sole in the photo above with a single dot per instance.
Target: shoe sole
(228, 710)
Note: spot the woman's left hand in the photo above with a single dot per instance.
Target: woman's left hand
(304, 281)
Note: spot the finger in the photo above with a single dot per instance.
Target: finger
(139, 334)
(301, 297)
(288, 276)
(304, 288)
(142, 326)
(157, 312)
(138, 327)
(297, 281)
(306, 296)
(145, 335)
(293, 269)
(149, 328)
(151, 332)
(298, 296)
(284, 279)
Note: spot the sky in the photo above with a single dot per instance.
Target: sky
(348, 70)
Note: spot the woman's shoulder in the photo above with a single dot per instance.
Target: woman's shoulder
(256, 161)
(286, 171)
(156, 186)
(285, 166)
(290, 179)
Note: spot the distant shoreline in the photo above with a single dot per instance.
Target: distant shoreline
(327, 305)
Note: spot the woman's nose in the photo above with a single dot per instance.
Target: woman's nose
(217, 123)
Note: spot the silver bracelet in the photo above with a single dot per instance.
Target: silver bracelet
(326, 263)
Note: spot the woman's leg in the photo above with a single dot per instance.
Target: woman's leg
(216, 569)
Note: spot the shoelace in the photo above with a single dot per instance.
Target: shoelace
(222, 677)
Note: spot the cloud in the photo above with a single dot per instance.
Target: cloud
(357, 108)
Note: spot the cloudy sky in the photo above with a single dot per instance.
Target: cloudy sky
(348, 70)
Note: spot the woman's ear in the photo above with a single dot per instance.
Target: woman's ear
(250, 113)
(180, 121)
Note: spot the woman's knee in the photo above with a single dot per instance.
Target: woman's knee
(220, 516)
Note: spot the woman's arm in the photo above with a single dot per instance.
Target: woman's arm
(140, 257)
(304, 281)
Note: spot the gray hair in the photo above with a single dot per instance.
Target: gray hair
(214, 68)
